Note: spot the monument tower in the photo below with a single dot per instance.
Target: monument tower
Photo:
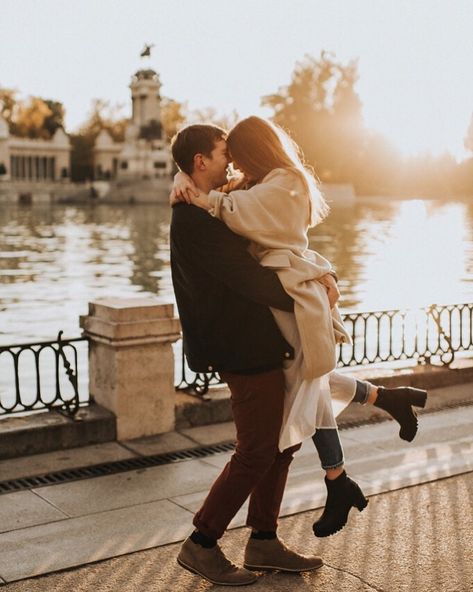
(144, 154)
(146, 99)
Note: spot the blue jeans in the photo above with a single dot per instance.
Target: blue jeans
(327, 440)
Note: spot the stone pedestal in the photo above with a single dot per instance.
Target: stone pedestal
(131, 362)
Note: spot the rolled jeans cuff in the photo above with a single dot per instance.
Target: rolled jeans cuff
(362, 392)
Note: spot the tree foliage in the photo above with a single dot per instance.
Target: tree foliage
(82, 157)
(7, 104)
(212, 116)
(34, 117)
(173, 116)
(322, 111)
(104, 115)
(468, 141)
(55, 119)
(320, 108)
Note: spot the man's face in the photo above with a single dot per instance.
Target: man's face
(217, 164)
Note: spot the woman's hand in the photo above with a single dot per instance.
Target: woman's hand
(183, 189)
(333, 293)
(201, 200)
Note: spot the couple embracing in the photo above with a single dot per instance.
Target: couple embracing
(258, 307)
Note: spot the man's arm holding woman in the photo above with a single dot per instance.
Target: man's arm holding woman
(214, 248)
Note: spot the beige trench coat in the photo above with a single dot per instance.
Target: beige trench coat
(274, 215)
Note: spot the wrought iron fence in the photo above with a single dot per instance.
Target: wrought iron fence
(435, 333)
(384, 336)
(44, 375)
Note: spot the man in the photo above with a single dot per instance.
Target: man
(223, 296)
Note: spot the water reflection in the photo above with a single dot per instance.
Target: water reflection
(398, 254)
(53, 260)
(421, 259)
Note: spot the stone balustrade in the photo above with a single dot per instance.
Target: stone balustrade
(131, 362)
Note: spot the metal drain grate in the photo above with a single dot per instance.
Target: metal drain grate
(111, 468)
(143, 462)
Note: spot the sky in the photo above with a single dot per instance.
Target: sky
(415, 57)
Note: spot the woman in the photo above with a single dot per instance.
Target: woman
(274, 211)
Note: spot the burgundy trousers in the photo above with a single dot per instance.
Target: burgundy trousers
(257, 468)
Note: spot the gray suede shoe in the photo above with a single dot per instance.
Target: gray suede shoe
(273, 554)
(212, 565)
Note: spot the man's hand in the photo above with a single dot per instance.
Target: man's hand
(333, 293)
(183, 189)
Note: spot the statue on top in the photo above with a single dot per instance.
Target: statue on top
(146, 51)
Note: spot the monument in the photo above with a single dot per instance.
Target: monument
(139, 169)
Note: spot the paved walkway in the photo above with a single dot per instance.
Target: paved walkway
(418, 538)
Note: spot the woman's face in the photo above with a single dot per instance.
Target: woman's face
(236, 165)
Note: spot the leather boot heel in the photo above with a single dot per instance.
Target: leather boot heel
(399, 403)
(360, 502)
(418, 397)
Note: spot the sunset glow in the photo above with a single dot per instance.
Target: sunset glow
(413, 57)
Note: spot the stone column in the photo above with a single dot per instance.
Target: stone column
(131, 362)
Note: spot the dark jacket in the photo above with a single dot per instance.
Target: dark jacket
(223, 295)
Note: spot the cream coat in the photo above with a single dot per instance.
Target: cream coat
(274, 215)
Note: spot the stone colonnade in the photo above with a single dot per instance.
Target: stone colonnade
(33, 168)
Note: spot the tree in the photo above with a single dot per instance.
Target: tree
(210, 115)
(82, 164)
(105, 116)
(30, 117)
(38, 118)
(173, 115)
(464, 178)
(102, 116)
(380, 167)
(55, 119)
(7, 105)
(468, 142)
(323, 113)
(34, 117)
(346, 128)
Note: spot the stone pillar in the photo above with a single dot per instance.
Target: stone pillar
(131, 362)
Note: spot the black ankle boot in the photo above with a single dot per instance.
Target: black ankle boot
(343, 494)
(398, 402)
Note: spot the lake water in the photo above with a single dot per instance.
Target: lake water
(54, 259)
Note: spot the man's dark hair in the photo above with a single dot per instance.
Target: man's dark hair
(194, 139)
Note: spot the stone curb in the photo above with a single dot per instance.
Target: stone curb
(51, 431)
(193, 411)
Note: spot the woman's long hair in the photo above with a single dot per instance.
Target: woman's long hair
(259, 147)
